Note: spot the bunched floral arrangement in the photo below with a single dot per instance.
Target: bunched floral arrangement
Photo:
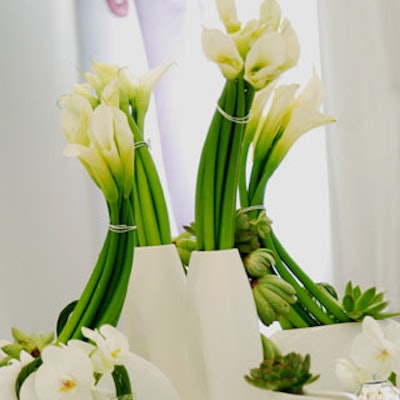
(256, 122)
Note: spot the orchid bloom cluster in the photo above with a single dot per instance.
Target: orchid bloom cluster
(374, 355)
(70, 371)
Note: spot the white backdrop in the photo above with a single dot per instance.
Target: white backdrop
(52, 220)
(361, 60)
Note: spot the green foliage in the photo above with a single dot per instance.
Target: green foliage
(358, 303)
(284, 373)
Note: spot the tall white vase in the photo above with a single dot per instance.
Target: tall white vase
(223, 336)
(153, 311)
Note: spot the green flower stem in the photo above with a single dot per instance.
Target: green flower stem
(328, 301)
(90, 300)
(84, 300)
(307, 317)
(148, 177)
(295, 319)
(112, 304)
(222, 159)
(146, 206)
(302, 294)
(140, 230)
(205, 184)
(244, 99)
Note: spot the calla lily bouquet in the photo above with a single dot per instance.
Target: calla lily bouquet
(255, 114)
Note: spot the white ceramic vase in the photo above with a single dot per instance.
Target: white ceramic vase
(153, 311)
(222, 329)
(325, 344)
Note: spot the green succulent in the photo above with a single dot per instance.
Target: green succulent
(32, 344)
(283, 373)
(358, 303)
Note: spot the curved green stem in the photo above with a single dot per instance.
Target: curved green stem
(303, 296)
(328, 301)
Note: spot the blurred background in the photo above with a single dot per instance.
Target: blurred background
(334, 201)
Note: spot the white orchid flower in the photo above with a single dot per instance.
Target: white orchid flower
(221, 49)
(228, 15)
(374, 352)
(9, 374)
(349, 375)
(112, 347)
(75, 118)
(66, 373)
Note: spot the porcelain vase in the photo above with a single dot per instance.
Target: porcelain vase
(153, 311)
(222, 329)
(325, 344)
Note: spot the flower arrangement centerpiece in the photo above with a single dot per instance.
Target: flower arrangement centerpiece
(254, 278)
(103, 121)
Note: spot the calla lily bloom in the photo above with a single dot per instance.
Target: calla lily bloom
(272, 54)
(270, 14)
(228, 15)
(96, 167)
(75, 118)
(139, 89)
(264, 60)
(110, 132)
(221, 48)
(300, 117)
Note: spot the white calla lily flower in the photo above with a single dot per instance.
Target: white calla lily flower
(85, 90)
(264, 60)
(301, 117)
(96, 167)
(270, 14)
(139, 89)
(66, 373)
(111, 93)
(228, 15)
(75, 118)
(221, 49)
(292, 46)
